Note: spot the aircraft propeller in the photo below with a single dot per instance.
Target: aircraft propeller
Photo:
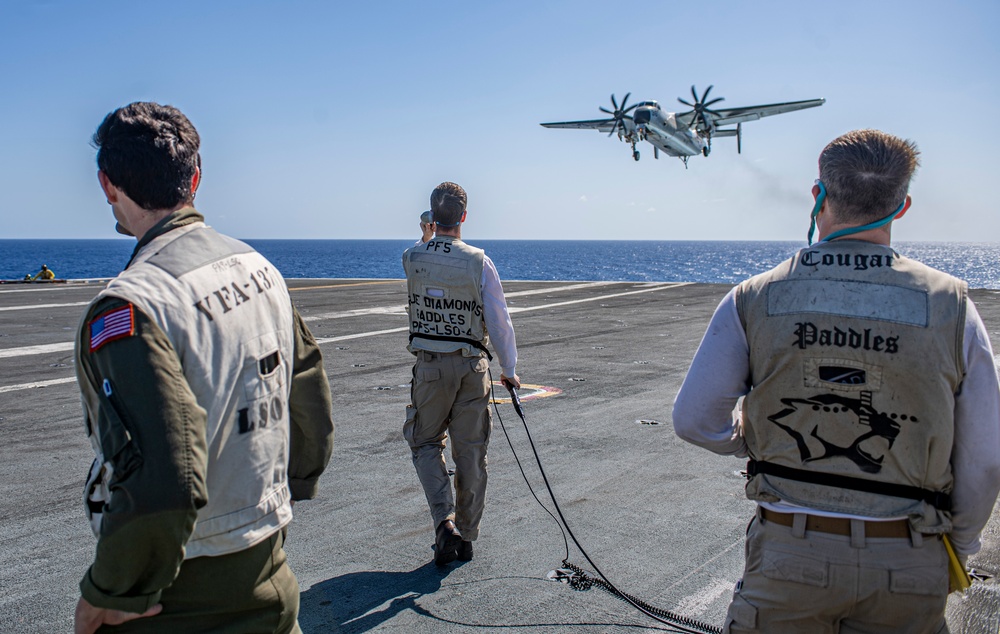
(619, 113)
(700, 107)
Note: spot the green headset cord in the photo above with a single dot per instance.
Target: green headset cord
(849, 230)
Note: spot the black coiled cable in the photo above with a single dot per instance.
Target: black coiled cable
(581, 580)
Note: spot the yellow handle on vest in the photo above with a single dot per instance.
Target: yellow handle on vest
(958, 577)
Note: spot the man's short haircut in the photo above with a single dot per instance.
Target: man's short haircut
(867, 173)
(150, 152)
(448, 202)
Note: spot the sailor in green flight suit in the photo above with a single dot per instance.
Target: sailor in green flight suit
(205, 400)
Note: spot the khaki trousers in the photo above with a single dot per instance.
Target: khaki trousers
(818, 583)
(450, 396)
(249, 592)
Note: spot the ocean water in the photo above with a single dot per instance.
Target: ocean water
(724, 262)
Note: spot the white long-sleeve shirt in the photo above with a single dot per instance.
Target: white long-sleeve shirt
(720, 374)
(496, 316)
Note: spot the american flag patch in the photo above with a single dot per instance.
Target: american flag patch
(112, 325)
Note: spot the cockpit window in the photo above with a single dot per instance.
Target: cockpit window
(651, 104)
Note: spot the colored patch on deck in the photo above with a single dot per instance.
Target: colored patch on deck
(526, 392)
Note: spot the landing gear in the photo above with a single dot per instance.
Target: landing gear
(635, 154)
(705, 150)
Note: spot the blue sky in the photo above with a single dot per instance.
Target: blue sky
(336, 119)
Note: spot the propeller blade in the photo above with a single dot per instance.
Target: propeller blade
(627, 95)
(700, 108)
(603, 109)
(613, 102)
(614, 128)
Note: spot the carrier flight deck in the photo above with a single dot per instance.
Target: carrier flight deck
(600, 364)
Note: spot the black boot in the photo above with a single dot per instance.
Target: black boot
(446, 543)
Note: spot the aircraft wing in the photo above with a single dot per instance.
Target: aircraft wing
(604, 125)
(727, 116)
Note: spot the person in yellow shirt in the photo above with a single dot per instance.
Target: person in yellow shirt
(45, 274)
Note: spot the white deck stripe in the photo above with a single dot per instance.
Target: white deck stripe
(61, 347)
(400, 309)
(30, 350)
(698, 603)
(28, 386)
(513, 309)
(555, 289)
(39, 287)
(361, 335)
(698, 570)
(33, 290)
(360, 312)
(31, 306)
(517, 309)
(26, 290)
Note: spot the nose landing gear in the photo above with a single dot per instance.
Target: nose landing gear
(635, 154)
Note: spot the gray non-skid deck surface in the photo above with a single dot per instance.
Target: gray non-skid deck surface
(662, 519)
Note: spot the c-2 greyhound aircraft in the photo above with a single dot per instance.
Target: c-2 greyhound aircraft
(683, 134)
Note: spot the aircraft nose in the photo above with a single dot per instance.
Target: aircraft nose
(641, 117)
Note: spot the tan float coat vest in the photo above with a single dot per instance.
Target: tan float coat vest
(855, 355)
(443, 278)
(227, 312)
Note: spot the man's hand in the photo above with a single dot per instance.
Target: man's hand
(427, 231)
(510, 381)
(88, 618)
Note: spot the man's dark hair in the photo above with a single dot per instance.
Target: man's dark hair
(867, 173)
(150, 152)
(448, 202)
